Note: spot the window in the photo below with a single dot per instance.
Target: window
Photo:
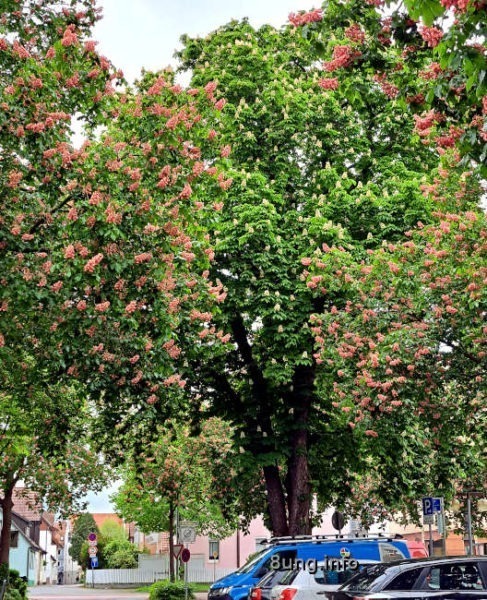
(405, 581)
(459, 576)
(214, 549)
(259, 542)
(14, 539)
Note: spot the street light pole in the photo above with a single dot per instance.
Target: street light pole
(469, 525)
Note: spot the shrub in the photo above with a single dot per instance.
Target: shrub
(167, 590)
(13, 594)
(17, 586)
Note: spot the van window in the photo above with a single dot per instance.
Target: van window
(248, 566)
(388, 552)
(282, 559)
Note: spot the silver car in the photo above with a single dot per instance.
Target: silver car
(314, 578)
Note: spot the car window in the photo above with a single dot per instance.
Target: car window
(458, 576)
(405, 580)
(288, 577)
(368, 577)
(335, 577)
(271, 578)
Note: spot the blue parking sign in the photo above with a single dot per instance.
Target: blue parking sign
(94, 562)
(431, 506)
(427, 506)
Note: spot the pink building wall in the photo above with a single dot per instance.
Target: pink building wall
(235, 550)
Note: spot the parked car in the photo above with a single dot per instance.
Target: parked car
(447, 578)
(312, 580)
(282, 553)
(263, 588)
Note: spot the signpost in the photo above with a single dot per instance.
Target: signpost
(176, 550)
(431, 507)
(92, 553)
(185, 556)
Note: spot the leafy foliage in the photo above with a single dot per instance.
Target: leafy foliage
(83, 526)
(167, 590)
(315, 166)
(180, 471)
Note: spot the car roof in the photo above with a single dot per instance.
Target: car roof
(434, 559)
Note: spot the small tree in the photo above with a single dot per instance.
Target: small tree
(83, 526)
(180, 472)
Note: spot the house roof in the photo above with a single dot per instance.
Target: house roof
(17, 523)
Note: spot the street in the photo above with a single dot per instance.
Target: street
(74, 592)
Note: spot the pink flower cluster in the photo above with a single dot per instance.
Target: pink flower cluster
(69, 37)
(355, 34)
(307, 17)
(431, 35)
(343, 56)
(456, 5)
(329, 83)
(389, 89)
(92, 263)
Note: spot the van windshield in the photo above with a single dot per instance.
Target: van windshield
(248, 566)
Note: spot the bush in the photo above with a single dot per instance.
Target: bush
(17, 586)
(167, 590)
(13, 594)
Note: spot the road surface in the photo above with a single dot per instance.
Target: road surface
(75, 592)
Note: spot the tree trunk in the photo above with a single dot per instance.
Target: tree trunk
(171, 541)
(7, 505)
(299, 489)
(299, 492)
(276, 501)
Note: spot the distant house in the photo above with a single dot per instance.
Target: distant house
(25, 555)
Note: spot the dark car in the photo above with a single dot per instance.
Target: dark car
(263, 588)
(447, 578)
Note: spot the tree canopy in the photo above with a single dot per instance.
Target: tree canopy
(293, 244)
(326, 170)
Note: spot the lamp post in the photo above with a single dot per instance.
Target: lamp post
(481, 507)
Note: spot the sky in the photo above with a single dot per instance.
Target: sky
(145, 33)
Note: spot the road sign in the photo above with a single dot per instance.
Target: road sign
(94, 562)
(177, 549)
(185, 555)
(92, 537)
(429, 519)
(187, 534)
(431, 505)
(338, 520)
(92, 542)
(93, 551)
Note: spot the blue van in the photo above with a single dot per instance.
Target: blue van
(287, 552)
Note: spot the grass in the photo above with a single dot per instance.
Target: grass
(196, 587)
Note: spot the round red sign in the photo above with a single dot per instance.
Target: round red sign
(185, 555)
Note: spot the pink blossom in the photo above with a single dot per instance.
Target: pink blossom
(225, 151)
(343, 56)
(355, 34)
(431, 35)
(102, 306)
(371, 433)
(131, 307)
(142, 258)
(55, 287)
(304, 18)
(81, 306)
(69, 37)
(329, 83)
(92, 263)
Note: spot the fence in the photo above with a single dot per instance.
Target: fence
(138, 577)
